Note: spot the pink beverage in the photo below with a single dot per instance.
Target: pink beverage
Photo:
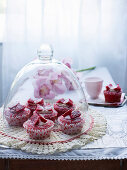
(93, 86)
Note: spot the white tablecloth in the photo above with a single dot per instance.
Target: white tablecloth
(111, 146)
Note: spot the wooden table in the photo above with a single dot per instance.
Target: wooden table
(11, 164)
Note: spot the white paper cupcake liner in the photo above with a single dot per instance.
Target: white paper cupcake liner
(17, 120)
(71, 129)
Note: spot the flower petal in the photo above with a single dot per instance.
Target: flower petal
(60, 88)
(67, 62)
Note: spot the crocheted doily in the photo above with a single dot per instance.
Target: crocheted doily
(16, 137)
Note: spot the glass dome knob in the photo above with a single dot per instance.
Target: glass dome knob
(45, 52)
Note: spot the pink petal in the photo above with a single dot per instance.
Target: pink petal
(51, 95)
(66, 80)
(54, 75)
(67, 62)
(44, 90)
(40, 81)
(44, 72)
(60, 88)
(36, 93)
(42, 87)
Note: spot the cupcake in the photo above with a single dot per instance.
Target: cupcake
(17, 115)
(38, 127)
(71, 122)
(31, 104)
(62, 106)
(47, 112)
(112, 95)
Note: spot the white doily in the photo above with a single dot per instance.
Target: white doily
(16, 137)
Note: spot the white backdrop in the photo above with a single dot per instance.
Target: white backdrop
(92, 32)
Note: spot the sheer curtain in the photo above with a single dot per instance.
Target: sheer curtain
(91, 32)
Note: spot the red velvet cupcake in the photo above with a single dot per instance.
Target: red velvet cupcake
(38, 127)
(31, 104)
(112, 95)
(47, 112)
(17, 115)
(62, 106)
(71, 122)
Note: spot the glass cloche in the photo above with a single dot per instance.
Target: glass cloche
(44, 81)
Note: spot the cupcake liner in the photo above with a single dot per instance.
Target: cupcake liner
(72, 128)
(38, 132)
(14, 119)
